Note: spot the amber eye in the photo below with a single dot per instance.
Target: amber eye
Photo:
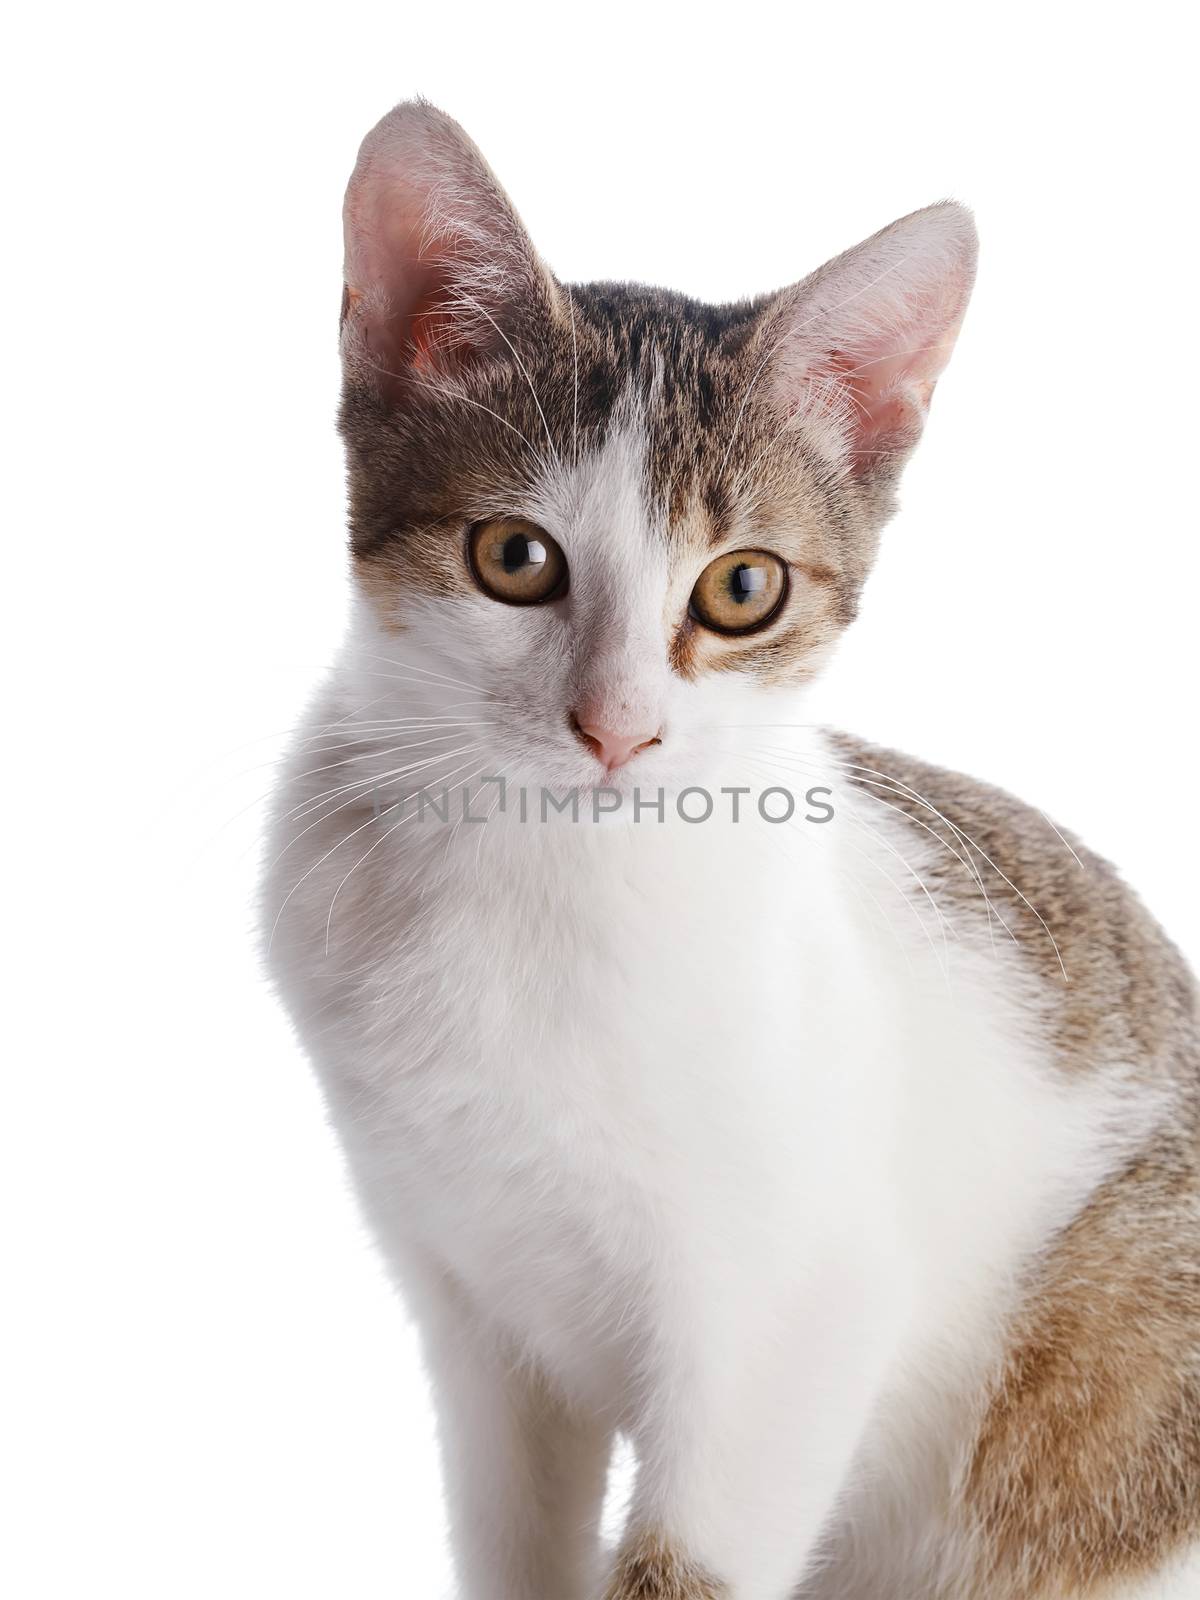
(740, 591)
(516, 561)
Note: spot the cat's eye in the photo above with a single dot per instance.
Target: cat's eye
(740, 591)
(517, 562)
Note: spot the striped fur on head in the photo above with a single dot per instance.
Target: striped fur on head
(475, 380)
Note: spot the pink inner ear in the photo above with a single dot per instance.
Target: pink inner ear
(420, 328)
(888, 395)
(401, 296)
(871, 333)
(436, 259)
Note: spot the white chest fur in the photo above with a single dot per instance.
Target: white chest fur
(706, 1125)
(610, 1074)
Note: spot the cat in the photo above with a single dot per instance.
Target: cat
(847, 1164)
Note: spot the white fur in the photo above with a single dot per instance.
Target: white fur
(1180, 1582)
(700, 1133)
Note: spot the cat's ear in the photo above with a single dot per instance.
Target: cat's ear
(438, 267)
(855, 350)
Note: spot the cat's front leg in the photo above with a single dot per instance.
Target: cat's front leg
(524, 1475)
(744, 1448)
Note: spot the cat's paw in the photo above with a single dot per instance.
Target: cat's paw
(650, 1567)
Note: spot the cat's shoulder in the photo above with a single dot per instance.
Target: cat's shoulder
(1120, 988)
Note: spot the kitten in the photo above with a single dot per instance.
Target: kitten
(848, 1165)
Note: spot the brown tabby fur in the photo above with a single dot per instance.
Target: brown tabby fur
(649, 1569)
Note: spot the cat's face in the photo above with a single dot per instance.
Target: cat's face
(600, 529)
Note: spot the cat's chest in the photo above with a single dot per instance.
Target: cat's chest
(558, 1066)
(625, 959)
(559, 1083)
(612, 1031)
(617, 1014)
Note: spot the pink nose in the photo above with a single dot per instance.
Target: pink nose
(613, 748)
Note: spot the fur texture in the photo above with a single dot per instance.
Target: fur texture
(851, 1168)
(651, 1570)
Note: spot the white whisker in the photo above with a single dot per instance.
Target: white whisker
(575, 357)
(966, 861)
(944, 925)
(357, 794)
(386, 834)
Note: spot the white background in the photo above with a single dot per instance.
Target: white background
(213, 1392)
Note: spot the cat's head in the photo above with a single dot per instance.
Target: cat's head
(600, 525)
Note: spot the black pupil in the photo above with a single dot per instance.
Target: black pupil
(519, 550)
(746, 582)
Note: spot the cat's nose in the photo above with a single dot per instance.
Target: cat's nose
(612, 747)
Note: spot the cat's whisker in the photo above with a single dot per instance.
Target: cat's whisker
(321, 860)
(385, 835)
(276, 762)
(479, 844)
(878, 903)
(894, 786)
(481, 700)
(170, 801)
(1000, 873)
(966, 861)
(370, 725)
(858, 887)
(440, 677)
(906, 898)
(374, 752)
(367, 746)
(409, 680)
(575, 379)
(921, 800)
(369, 734)
(378, 755)
(357, 792)
(445, 709)
(1062, 838)
(944, 925)
(315, 802)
